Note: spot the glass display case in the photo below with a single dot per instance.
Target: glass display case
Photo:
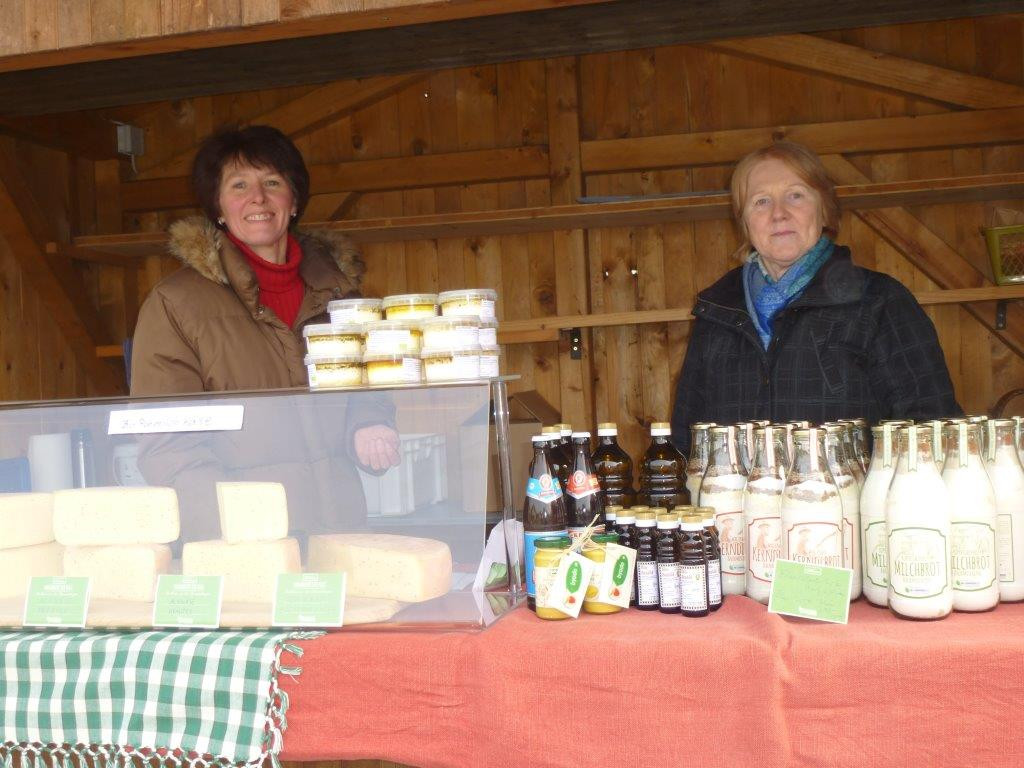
(388, 485)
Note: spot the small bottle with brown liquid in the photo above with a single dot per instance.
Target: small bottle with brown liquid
(713, 552)
(559, 458)
(663, 471)
(646, 588)
(667, 549)
(614, 468)
(693, 568)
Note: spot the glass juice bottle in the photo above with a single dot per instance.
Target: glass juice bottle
(646, 587)
(762, 510)
(1007, 476)
(583, 498)
(722, 490)
(543, 509)
(663, 471)
(693, 568)
(812, 511)
(745, 444)
(613, 466)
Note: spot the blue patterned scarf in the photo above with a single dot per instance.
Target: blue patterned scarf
(765, 296)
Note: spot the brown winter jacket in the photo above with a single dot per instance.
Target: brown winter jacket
(202, 329)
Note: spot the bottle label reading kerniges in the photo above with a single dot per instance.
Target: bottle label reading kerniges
(765, 537)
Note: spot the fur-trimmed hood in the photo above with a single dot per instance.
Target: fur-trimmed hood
(197, 243)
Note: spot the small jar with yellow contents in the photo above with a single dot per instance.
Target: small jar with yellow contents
(546, 558)
(598, 554)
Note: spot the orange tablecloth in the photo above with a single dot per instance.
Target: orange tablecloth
(740, 688)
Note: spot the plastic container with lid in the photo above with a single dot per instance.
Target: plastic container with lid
(490, 362)
(474, 302)
(546, 557)
(393, 337)
(330, 339)
(355, 310)
(448, 332)
(334, 371)
(410, 306)
(454, 364)
(393, 368)
(598, 554)
(488, 333)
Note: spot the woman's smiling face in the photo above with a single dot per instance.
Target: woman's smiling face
(257, 206)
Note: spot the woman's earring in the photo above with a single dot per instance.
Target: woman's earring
(294, 214)
(220, 222)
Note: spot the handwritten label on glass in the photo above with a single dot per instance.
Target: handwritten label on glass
(192, 418)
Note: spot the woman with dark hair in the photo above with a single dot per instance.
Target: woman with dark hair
(232, 319)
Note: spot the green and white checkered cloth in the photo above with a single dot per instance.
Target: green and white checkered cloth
(192, 699)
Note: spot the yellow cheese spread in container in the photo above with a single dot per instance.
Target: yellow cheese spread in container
(329, 339)
(488, 333)
(410, 306)
(393, 336)
(475, 302)
(448, 332)
(355, 310)
(334, 371)
(490, 362)
(400, 368)
(454, 364)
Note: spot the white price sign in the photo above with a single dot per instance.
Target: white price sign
(193, 418)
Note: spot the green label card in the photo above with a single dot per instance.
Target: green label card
(192, 602)
(56, 601)
(811, 591)
(309, 600)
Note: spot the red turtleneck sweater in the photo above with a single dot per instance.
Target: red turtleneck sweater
(281, 287)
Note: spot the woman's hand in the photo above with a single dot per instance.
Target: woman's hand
(377, 447)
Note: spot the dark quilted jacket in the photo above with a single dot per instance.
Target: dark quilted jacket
(855, 344)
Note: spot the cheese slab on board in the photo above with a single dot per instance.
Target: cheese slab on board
(25, 519)
(119, 572)
(252, 511)
(115, 515)
(386, 566)
(18, 565)
(249, 569)
(365, 610)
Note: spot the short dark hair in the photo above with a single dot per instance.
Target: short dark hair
(262, 146)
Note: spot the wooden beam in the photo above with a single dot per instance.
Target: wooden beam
(301, 115)
(637, 212)
(92, 256)
(485, 165)
(860, 65)
(80, 134)
(884, 134)
(331, 206)
(929, 253)
(24, 226)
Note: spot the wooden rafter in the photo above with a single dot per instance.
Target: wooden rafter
(929, 253)
(25, 228)
(81, 134)
(884, 134)
(331, 206)
(860, 65)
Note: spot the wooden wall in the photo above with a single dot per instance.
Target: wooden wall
(627, 373)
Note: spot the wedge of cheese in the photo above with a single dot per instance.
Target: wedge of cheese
(18, 565)
(25, 519)
(384, 566)
(100, 516)
(249, 569)
(252, 511)
(120, 572)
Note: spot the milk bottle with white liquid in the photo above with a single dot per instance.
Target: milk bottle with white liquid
(812, 512)
(849, 494)
(697, 464)
(973, 503)
(722, 490)
(917, 517)
(762, 510)
(874, 537)
(1007, 476)
(935, 426)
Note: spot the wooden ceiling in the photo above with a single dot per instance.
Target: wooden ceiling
(615, 25)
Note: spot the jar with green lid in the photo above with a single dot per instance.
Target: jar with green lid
(598, 554)
(546, 557)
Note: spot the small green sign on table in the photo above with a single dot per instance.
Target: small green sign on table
(190, 602)
(816, 592)
(57, 601)
(309, 600)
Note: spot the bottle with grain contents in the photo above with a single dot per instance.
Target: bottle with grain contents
(560, 460)
(787, 431)
(860, 436)
(583, 498)
(874, 536)
(745, 444)
(849, 495)
(697, 464)
(722, 490)
(973, 524)
(663, 471)
(646, 587)
(613, 466)
(714, 556)
(543, 510)
(812, 511)
(762, 510)
(848, 448)
(1007, 476)
(917, 518)
(935, 426)
(980, 421)
(667, 548)
(693, 568)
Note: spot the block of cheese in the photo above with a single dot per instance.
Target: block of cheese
(25, 519)
(119, 572)
(252, 511)
(249, 569)
(98, 516)
(385, 566)
(18, 565)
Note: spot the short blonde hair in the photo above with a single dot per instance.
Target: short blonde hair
(804, 164)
